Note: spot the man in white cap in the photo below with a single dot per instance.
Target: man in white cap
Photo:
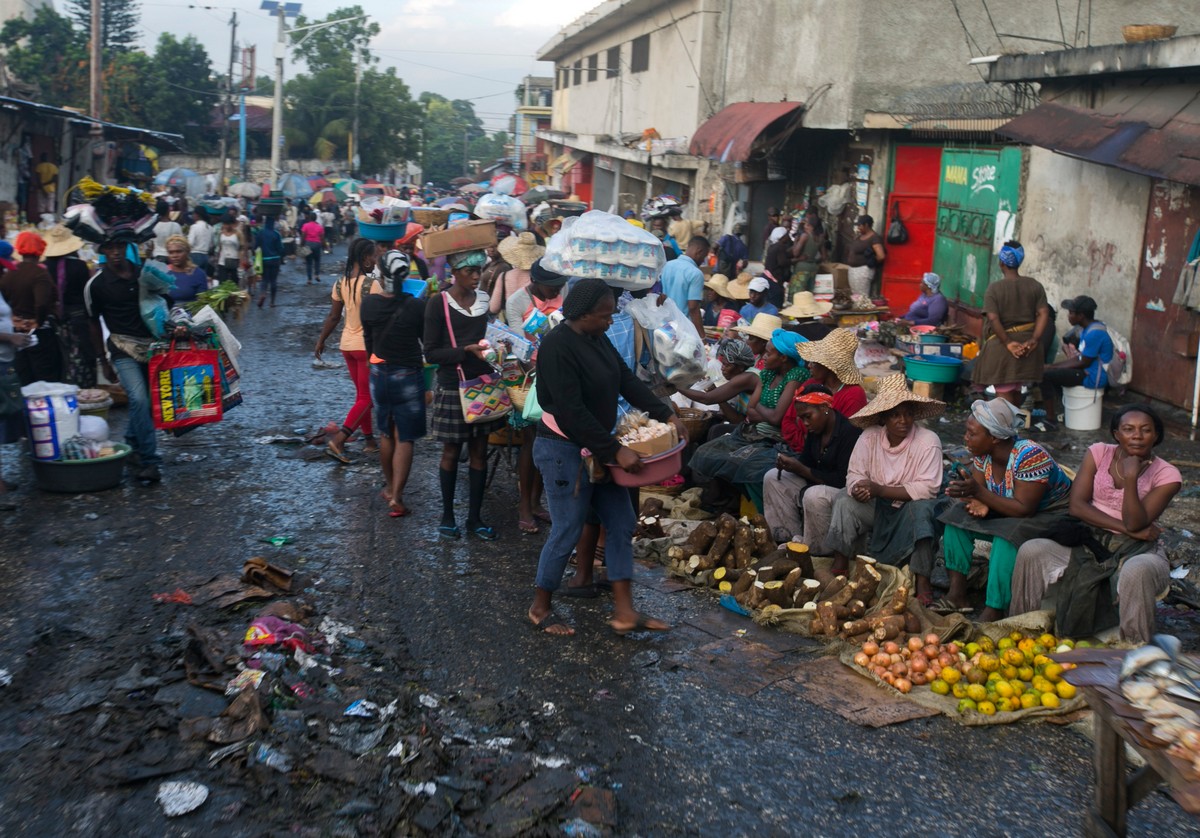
(759, 304)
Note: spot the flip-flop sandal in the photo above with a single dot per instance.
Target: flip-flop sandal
(486, 533)
(945, 606)
(548, 622)
(449, 532)
(340, 456)
(642, 624)
(397, 513)
(602, 585)
(580, 591)
(528, 527)
(544, 517)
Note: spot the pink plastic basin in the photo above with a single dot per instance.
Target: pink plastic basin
(655, 469)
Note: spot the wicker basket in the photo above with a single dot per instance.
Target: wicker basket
(430, 217)
(695, 421)
(517, 394)
(1138, 32)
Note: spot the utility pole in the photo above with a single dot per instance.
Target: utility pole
(355, 157)
(277, 110)
(97, 131)
(226, 105)
(464, 152)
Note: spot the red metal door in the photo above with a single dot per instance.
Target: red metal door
(1162, 368)
(914, 193)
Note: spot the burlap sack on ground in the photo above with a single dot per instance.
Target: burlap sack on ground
(799, 621)
(947, 705)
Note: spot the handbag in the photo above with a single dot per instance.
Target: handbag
(304, 251)
(897, 233)
(483, 399)
(531, 410)
(185, 387)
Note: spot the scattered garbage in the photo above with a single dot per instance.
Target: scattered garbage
(273, 758)
(247, 679)
(362, 709)
(270, 631)
(333, 631)
(258, 571)
(579, 828)
(406, 749)
(278, 540)
(179, 798)
(427, 700)
(179, 595)
(5, 677)
(548, 708)
(188, 457)
(1179, 572)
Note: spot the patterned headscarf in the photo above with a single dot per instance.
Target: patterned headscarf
(736, 352)
(933, 281)
(997, 417)
(467, 259)
(1012, 257)
(815, 398)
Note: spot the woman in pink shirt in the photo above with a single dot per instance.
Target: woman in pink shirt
(312, 235)
(1120, 492)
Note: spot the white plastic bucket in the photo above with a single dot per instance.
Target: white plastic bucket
(1082, 407)
(823, 284)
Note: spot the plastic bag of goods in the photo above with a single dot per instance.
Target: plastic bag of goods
(503, 209)
(674, 341)
(93, 428)
(605, 246)
(53, 415)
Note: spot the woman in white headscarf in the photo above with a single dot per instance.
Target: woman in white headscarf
(930, 308)
(778, 264)
(1013, 492)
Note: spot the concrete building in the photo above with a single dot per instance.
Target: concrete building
(532, 115)
(1110, 203)
(752, 104)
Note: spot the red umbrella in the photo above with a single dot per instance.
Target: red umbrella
(509, 185)
(317, 182)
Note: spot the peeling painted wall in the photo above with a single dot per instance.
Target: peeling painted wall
(1082, 228)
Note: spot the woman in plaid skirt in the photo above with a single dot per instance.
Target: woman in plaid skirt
(455, 322)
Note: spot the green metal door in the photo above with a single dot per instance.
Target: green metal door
(977, 206)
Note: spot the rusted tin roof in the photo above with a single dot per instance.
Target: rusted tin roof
(729, 136)
(1154, 131)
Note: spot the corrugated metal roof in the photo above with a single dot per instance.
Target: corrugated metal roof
(729, 136)
(1154, 131)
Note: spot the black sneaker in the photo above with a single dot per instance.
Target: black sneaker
(149, 474)
(133, 461)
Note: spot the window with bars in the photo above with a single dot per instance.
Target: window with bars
(639, 57)
(577, 71)
(593, 64)
(613, 68)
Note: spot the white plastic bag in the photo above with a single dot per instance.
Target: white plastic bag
(674, 341)
(503, 209)
(605, 246)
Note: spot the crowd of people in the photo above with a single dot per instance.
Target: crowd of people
(796, 434)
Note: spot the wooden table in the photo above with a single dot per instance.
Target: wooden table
(1117, 722)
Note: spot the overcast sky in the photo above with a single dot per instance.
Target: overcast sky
(462, 49)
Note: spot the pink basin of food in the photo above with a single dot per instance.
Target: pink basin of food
(655, 469)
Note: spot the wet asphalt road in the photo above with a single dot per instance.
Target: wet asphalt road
(684, 753)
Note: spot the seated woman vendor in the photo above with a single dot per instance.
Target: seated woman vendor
(744, 456)
(1013, 492)
(732, 397)
(892, 483)
(930, 308)
(1120, 492)
(718, 309)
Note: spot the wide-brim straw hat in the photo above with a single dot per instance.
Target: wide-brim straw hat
(763, 326)
(835, 352)
(739, 289)
(804, 304)
(521, 251)
(719, 283)
(891, 393)
(60, 241)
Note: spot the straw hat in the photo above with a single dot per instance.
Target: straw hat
(521, 251)
(60, 241)
(893, 392)
(739, 289)
(718, 283)
(804, 304)
(835, 352)
(763, 326)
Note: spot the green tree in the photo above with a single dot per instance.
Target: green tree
(48, 53)
(485, 149)
(445, 127)
(180, 92)
(118, 22)
(334, 47)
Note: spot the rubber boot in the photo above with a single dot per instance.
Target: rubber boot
(449, 480)
(477, 485)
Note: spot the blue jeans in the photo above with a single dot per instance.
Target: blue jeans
(270, 278)
(569, 496)
(140, 433)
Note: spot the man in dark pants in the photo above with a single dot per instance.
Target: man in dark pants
(1086, 366)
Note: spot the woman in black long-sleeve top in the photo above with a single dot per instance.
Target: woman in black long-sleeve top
(465, 308)
(580, 374)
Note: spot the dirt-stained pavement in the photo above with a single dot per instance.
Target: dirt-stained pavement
(517, 732)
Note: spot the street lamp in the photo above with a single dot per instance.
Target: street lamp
(286, 10)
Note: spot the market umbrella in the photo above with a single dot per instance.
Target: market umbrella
(335, 195)
(460, 181)
(294, 186)
(542, 193)
(177, 176)
(244, 189)
(472, 189)
(445, 202)
(318, 182)
(348, 185)
(509, 185)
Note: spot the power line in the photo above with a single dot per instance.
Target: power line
(970, 40)
(995, 31)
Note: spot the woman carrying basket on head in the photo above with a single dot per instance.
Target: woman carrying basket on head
(455, 322)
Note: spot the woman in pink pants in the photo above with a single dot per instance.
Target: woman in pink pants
(347, 297)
